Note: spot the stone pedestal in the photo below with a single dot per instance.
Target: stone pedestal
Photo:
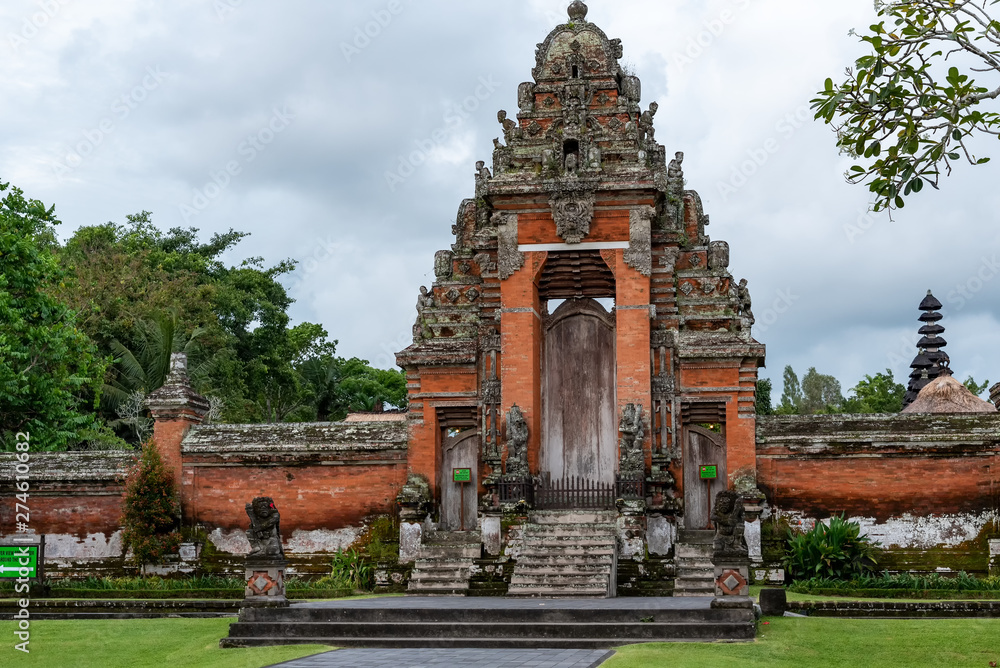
(995, 557)
(265, 583)
(732, 577)
(492, 533)
(410, 539)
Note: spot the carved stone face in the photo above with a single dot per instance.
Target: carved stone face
(262, 508)
(725, 505)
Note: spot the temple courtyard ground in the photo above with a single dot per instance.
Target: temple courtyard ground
(783, 642)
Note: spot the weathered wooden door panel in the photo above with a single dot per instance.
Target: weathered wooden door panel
(460, 451)
(702, 448)
(579, 425)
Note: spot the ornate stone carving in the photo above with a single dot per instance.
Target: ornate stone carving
(573, 213)
(414, 499)
(483, 177)
(695, 260)
(486, 264)
(687, 289)
(661, 337)
(517, 444)
(647, 133)
(453, 295)
(632, 430)
(425, 302)
(664, 385)
(745, 302)
(728, 517)
(632, 89)
(490, 341)
(490, 393)
(995, 394)
(509, 126)
(669, 259)
(707, 286)
(718, 255)
(264, 533)
(617, 50)
(510, 258)
(534, 128)
(526, 97)
(444, 265)
(639, 254)
(472, 294)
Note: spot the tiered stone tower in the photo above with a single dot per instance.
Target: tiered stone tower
(931, 361)
(518, 369)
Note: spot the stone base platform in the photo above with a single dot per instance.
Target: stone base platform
(491, 623)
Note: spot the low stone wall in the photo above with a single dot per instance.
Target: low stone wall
(925, 486)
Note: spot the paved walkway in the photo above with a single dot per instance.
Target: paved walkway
(454, 658)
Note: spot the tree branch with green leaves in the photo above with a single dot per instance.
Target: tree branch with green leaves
(915, 105)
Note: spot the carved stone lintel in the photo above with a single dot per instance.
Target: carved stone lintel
(661, 337)
(664, 386)
(510, 258)
(573, 213)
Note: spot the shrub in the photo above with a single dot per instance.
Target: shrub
(836, 550)
(150, 509)
(961, 582)
(350, 571)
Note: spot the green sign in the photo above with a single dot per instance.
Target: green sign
(709, 472)
(462, 475)
(13, 559)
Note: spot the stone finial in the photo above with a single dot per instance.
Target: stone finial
(176, 397)
(578, 11)
(995, 395)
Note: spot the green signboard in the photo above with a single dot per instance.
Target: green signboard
(462, 475)
(13, 559)
(709, 472)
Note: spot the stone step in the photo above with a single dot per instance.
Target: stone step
(451, 552)
(565, 569)
(559, 542)
(696, 536)
(570, 530)
(573, 517)
(694, 551)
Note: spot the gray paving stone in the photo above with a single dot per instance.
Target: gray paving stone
(453, 658)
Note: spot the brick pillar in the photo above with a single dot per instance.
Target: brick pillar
(634, 329)
(176, 407)
(521, 335)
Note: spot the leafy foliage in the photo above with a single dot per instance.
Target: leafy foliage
(901, 581)
(835, 550)
(876, 394)
(48, 366)
(976, 388)
(900, 112)
(350, 570)
(150, 509)
(764, 389)
(818, 393)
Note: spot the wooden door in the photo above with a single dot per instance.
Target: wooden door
(459, 507)
(702, 448)
(579, 422)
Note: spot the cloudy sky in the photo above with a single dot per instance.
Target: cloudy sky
(283, 120)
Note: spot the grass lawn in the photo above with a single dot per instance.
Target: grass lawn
(835, 643)
(138, 643)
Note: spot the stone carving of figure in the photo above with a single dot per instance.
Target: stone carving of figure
(730, 526)
(526, 97)
(264, 533)
(595, 158)
(483, 177)
(517, 443)
(632, 431)
(572, 162)
(675, 170)
(646, 129)
(718, 257)
(509, 126)
(424, 302)
(746, 303)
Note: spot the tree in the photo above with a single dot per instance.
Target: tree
(974, 387)
(876, 394)
(47, 364)
(820, 393)
(764, 388)
(791, 398)
(150, 509)
(899, 112)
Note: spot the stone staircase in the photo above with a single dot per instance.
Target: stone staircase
(444, 565)
(695, 570)
(566, 554)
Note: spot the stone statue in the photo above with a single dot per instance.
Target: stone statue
(572, 162)
(509, 126)
(424, 302)
(646, 129)
(730, 526)
(526, 97)
(264, 533)
(718, 257)
(632, 459)
(595, 158)
(746, 303)
(517, 443)
(483, 177)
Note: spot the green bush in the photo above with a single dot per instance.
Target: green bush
(901, 581)
(150, 510)
(350, 571)
(836, 550)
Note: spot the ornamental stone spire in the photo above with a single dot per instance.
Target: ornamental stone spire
(931, 362)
